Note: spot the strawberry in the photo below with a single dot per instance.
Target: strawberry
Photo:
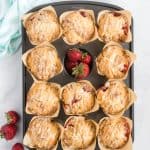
(12, 117)
(18, 146)
(70, 65)
(86, 58)
(81, 71)
(8, 131)
(74, 55)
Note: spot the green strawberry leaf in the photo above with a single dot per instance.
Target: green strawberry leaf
(78, 70)
(84, 54)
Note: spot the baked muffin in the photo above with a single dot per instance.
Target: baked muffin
(43, 98)
(79, 133)
(42, 62)
(114, 61)
(78, 26)
(114, 26)
(79, 98)
(115, 134)
(42, 134)
(115, 98)
(42, 26)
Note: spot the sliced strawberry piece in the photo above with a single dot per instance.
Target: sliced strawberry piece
(125, 68)
(127, 128)
(75, 101)
(12, 117)
(81, 71)
(83, 13)
(8, 131)
(125, 28)
(116, 14)
(74, 55)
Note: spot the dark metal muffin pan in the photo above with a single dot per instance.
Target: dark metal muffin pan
(94, 48)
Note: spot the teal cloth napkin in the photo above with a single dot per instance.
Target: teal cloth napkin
(11, 12)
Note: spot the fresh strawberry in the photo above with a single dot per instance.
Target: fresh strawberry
(70, 65)
(8, 131)
(74, 55)
(81, 71)
(12, 117)
(86, 58)
(18, 146)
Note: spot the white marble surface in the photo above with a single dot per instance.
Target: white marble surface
(11, 76)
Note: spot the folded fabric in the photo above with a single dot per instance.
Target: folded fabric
(11, 12)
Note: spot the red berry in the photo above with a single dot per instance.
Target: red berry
(8, 131)
(70, 65)
(12, 117)
(18, 146)
(74, 55)
(81, 71)
(86, 58)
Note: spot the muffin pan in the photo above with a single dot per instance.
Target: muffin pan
(94, 48)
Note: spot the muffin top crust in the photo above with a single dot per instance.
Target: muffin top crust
(114, 133)
(79, 133)
(114, 26)
(42, 133)
(42, 26)
(78, 26)
(114, 61)
(115, 97)
(43, 99)
(79, 98)
(43, 62)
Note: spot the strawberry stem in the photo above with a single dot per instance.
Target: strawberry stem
(1, 135)
(8, 117)
(84, 54)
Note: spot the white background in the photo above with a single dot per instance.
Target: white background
(11, 76)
